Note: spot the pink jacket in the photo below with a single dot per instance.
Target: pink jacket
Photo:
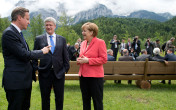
(97, 54)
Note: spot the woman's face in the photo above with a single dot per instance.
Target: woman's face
(87, 34)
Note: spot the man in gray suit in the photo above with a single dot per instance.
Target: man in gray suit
(53, 66)
(17, 75)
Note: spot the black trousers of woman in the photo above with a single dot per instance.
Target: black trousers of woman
(92, 88)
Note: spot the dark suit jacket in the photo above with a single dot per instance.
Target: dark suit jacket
(125, 58)
(113, 44)
(138, 50)
(17, 66)
(59, 59)
(143, 57)
(170, 57)
(111, 58)
(127, 46)
(73, 53)
(149, 47)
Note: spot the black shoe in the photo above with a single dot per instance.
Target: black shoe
(129, 81)
(163, 81)
(169, 82)
(119, 82)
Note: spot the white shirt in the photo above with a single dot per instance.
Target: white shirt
(18, 29)
(54, 38)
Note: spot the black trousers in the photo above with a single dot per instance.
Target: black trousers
(18, 99)
(92, 88)
(115, 52)
(45, 88)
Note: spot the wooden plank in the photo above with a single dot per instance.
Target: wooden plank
(71, 77)
(123, 77)
(161, 68)
(109, 67)
(129, 67)
(74, 68)
(161, 77)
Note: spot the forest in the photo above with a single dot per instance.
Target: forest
(124, 28)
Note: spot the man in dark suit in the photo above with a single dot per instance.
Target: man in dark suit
(149, 47)
(136, 45)
(115, 46)
(73, 52)
(110, 55)
(53, 66)
(170, 56)
(17, 75)
(125, 57)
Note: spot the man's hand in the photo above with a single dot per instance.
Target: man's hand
(46, 49)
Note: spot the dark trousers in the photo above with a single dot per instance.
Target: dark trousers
(45, 88)
(92, 88)
(18, 99)
(115, 52)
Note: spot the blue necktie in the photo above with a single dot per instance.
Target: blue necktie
(24, 40)
(52, 44)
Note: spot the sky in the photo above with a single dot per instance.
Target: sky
(118, 7)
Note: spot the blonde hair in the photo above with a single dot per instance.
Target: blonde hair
(91, 27)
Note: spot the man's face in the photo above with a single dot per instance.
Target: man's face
(50, 27)
(24, 21)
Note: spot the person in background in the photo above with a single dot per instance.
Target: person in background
(125, 57)
(136, 45)
(74, 52)
(110, 55)
(170, 56)
(133, 54)
(128, 45)
(157, 44)
(79, 41)
(149, 47)
(170, 44)
(91, 59)
(115, 46)
(122, 46)
(17, 74)
(52, 66)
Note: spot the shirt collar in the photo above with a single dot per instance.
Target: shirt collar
(54, 35)
(19, 30)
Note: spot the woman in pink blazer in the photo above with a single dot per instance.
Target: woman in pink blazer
(92, 57)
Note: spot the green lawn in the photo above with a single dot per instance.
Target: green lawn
(116, 97)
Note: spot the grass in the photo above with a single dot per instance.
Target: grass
(116, 97)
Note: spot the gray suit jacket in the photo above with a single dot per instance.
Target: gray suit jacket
(59, 60)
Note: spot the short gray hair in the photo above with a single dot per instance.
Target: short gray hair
(172, 38)
(109, 50)
(76, 43)
(156, 51)
(50, 19)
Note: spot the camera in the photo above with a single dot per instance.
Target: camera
(134, 39)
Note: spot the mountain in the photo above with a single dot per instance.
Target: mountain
(96, 12)
(99, 10)
(150, 15)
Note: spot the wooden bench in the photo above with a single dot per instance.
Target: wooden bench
(132, 70)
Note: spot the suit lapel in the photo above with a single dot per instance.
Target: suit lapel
(19, 35)
(45, 40)
(90, 45)
(57, 43)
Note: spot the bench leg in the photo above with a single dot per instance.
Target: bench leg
(143, 84)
